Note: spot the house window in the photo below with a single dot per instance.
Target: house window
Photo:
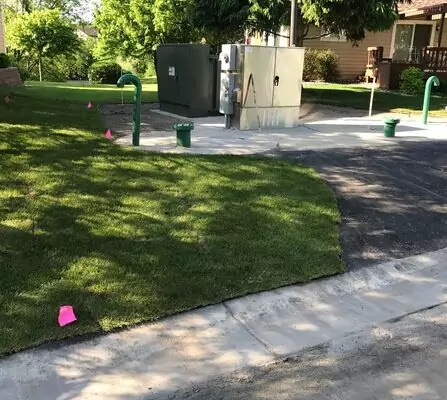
(326, 36)
(410, 39)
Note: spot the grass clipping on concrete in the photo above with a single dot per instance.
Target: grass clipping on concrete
(127, 236)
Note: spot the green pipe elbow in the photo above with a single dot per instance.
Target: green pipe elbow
(432, 81)
(136, 128)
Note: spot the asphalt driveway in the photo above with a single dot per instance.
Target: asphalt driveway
(393, 199)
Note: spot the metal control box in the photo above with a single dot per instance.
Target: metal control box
(263, 84)
(188, 79)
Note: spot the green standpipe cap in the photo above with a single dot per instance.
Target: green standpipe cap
(394, 121)
(184, 126)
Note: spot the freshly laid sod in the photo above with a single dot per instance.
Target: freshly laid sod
(357, 96)
(127, 236)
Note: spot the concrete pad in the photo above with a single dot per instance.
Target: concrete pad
(210, 136)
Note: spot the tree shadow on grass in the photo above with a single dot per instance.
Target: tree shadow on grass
(128, 236)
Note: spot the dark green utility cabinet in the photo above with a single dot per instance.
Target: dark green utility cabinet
(188, 80)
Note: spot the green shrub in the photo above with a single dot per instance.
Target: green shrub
(327, 66)
(78, 67)
(150, 70)
(412, 81)
(104, 72)
(78, 63)
(310, 65)
(23, 71)
(442, 88)
(320, 65)
(133, 66)
(52, 70)
(4, 60)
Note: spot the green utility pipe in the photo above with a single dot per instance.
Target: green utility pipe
(129, 78)
(432, 81)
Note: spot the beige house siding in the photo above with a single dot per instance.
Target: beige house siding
(2, 33)
(352, 59)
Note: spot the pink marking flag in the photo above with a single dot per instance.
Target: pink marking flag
(108, 134)
(89, 105)
(66, 315)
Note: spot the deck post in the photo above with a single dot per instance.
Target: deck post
(441, 31)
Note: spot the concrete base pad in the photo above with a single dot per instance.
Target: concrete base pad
(210, 136)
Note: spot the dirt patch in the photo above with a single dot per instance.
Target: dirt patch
(311, 112)
(119, 118)
(318, 112)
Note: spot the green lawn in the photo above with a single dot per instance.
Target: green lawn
(357, 96)
(127, 236)
(83, 92)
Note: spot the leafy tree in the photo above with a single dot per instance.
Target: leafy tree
(134, 28)
(352, 17)
(74, 9)
(268, 15)
(42, 33)
(76, 65)
(221, 21)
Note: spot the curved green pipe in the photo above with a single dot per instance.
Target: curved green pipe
(432, 81)
(129, 78)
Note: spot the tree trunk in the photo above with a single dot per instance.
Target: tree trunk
(26, 6)
(40, 67)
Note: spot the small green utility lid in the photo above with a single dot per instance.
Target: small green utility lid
(184, 126)
(390, 120)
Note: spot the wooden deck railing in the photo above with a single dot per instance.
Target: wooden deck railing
(375, 56)
(435, 58)
(429, 58)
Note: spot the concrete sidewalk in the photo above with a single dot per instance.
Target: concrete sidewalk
(396, 360)
(210, 137)
(255, 330)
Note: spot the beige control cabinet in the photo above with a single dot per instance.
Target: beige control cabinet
(261, 86)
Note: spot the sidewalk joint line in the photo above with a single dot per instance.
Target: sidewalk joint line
(249, 331)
